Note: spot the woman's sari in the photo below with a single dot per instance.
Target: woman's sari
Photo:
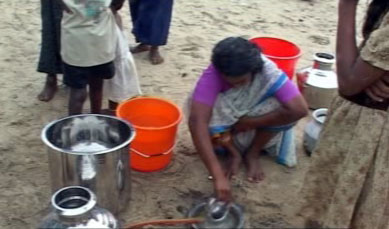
(253, 100)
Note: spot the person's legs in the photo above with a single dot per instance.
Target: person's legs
(254, 170)
(95, 94)
(154, 55)
(135, 10)
(49, 89)
(151, 22)
(76, 78)
(76, 100)
(50, 59)
(234, 161)
(234, 156)
(96, 77)
(140, 48)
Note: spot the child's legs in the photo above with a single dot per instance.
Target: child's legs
(76, 100)
(95, 94)
(97, 74)
(112, 105)
(76, 78)
(254, 171)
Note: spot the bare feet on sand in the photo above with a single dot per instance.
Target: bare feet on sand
(140, 48)
(154, 56)
(49, 89)
(254, 170)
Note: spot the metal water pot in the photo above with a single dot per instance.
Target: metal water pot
(217, 214)
(313, 129)
(91, 151)
(319, 83)
(75, 207)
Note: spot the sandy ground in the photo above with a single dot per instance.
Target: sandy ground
(197, 25)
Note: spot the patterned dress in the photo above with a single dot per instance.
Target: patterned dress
(347, 185)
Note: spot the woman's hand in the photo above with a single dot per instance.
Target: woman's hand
(64, 7)
(117, 5)
(243, 124)
(223, 189)
(379, 91)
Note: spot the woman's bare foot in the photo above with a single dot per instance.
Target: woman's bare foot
(49, 89)
(254, 170)
(154, 56)
(233, 165)
(140, 48)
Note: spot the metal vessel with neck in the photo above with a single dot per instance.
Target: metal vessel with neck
(76, 207)
(319, 83)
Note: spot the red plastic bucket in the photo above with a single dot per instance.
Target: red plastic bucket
(284, 53)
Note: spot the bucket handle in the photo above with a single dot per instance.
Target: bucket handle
(141, 96)
(155, 155)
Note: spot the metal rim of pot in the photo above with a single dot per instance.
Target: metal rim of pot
(319, 112)
(51, 124)
(324, 57)
(89, 198)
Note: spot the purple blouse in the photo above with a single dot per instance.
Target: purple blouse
(211, 84)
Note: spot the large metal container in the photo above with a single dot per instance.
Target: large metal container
(91, 151)
(319, 83)
(75, 207)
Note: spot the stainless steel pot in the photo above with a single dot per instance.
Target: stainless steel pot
(75, 207)
(91, 151)
(319, 83)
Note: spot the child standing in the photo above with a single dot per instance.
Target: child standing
(88, 46)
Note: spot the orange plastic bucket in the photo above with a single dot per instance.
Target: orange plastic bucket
(284, 53)
(155, 121)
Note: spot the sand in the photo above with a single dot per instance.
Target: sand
(197, 25)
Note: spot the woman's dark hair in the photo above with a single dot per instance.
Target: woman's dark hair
(377, 9)
(236, 56)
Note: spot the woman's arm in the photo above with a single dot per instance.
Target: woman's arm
(200, 115)
(290, 112)
(354, 74)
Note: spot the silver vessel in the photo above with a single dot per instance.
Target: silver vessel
(313, 129)
(75, 207)
(217, 214)
(91, 151)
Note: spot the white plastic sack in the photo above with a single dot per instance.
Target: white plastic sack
(125, 83)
